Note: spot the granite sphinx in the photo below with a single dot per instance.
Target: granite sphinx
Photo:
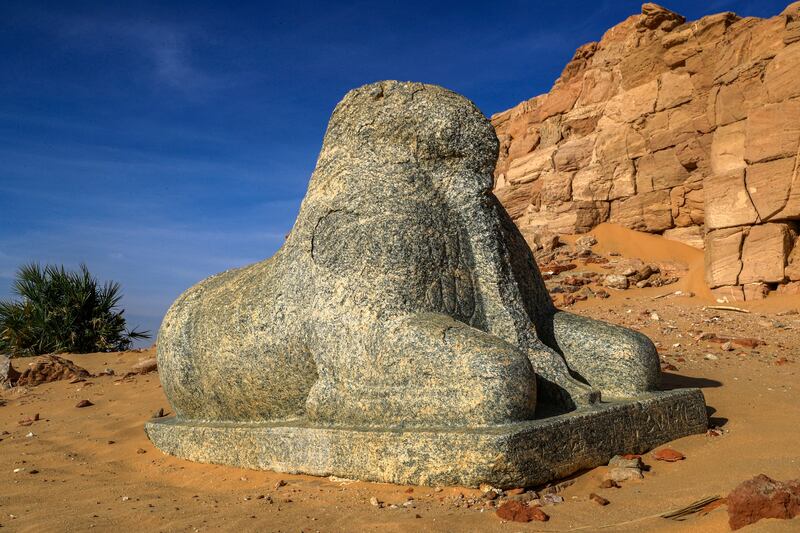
(403, 332)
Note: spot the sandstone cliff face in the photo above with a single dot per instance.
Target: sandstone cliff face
(686, 129)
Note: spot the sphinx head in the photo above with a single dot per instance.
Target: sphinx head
(428, 131)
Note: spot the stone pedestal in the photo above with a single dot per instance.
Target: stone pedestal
(515, 455)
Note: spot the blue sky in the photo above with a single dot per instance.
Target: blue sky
(160, 143)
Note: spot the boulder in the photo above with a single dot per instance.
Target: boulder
(50, 368)
(763, 497)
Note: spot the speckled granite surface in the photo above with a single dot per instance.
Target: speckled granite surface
(521, 454)
(404, 299)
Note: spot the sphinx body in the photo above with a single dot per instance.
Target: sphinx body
(404, 296)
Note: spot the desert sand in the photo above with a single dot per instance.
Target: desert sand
(93, 468)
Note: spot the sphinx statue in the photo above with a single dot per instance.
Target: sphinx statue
(404, 314)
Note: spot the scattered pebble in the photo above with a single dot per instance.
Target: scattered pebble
(84, 403)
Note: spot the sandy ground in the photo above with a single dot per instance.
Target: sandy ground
(93, 468)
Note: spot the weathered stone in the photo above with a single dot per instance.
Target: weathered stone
(516, 511)
(590, 185)
(556, 187)
(769, 185)
(660, 170)
(616, 281)
(723, 257)
(8, 375)
(780, 79)
(727, 148)
(675, 89)
(690, 235)
(656, 17)
(792, 270)
(729, 294)
(763, 497)
(764, 253)
(404, 312)
(632, 104)
(145, 366)
(49, 368)
(727, 202)
(573, 154)
(668, 454)
(789, 289)
(618, 474)
(773, 132)
(755, 291)
(646, 212)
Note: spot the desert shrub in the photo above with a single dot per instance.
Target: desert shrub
(61, 311)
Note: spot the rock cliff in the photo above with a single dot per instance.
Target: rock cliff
(686, 129)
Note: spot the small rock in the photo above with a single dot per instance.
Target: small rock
(609, 484)
(747, 342)
(160, 413)
(514, 492)
(519, 512)
(711, 357)
(84, 403)
(375, 503)
(620, 461)
(598, 499)
(669, 455)
(280, 483)
(623, 474)
(587, 241)
(654, 316)
(145, 366)
(727, 346)
(616, 281)
(141, 451)
(552, 499)
(763, 497)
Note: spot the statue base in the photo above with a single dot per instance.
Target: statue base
(524, 454)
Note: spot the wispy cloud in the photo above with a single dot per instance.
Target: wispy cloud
(168, 50)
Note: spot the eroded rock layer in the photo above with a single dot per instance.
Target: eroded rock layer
(686, 129)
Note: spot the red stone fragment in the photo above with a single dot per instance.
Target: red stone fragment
(669, 455)
(763, 497)
(515, 511)
(598, 499)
